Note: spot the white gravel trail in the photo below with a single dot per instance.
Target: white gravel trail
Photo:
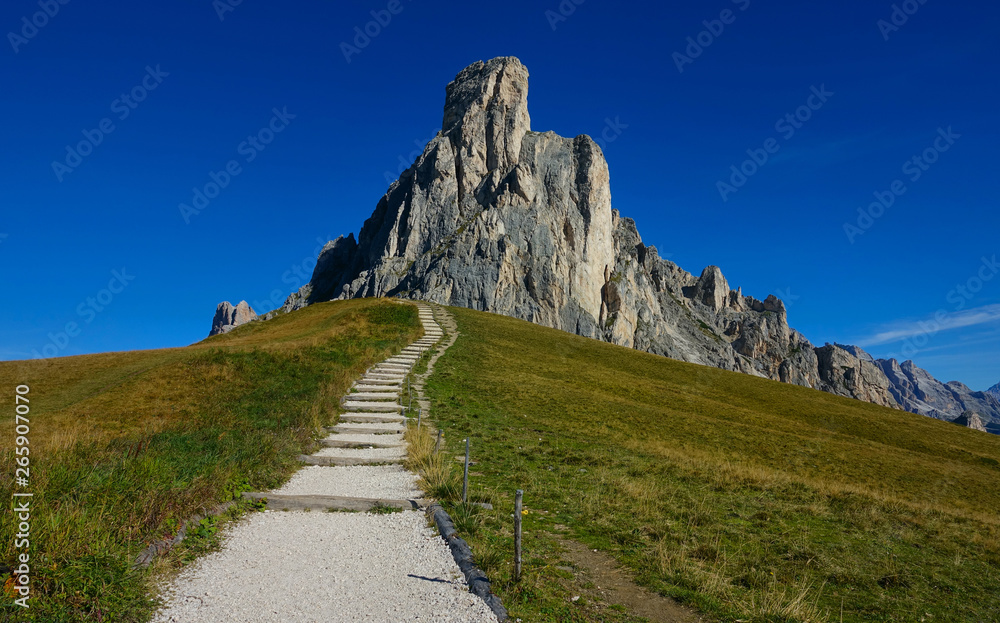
(333, 567)
(326, 567)
(390, 482)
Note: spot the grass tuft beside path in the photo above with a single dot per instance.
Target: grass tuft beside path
(126, 446)
(751, 500)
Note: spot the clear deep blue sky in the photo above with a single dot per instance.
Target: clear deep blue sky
(781, 232)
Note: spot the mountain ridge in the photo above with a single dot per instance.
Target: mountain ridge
(496, 217)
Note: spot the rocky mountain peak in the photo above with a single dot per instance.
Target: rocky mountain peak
(228, 317)
(994, 391)
(486, 118)
(495, 217)
(712, 288)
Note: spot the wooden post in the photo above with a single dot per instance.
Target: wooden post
(465, 481)
(517, 534)
(419, 414)
(438, 444)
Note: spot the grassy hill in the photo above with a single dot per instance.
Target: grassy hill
(750, 499)
(125, 446)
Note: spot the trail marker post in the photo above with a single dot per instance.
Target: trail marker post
(465, 480)
(518, 504)
(438, 444)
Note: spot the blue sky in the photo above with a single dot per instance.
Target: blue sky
(912, 275)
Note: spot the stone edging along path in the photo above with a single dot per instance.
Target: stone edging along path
(478, 583)
(321, 565)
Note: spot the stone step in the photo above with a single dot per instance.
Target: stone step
(357, 445)
(362, 388)
(327, 461)
(391, 367)
(384, 376)
(366, 430)
(330, 502)
(393, 396)
(383, 384)
(371, 418)
(358, 405)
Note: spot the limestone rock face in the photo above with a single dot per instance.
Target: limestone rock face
(971, 420)
(228, 317)
(491, 216)
(495, 217)
(853, 373)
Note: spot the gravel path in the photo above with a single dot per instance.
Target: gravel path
(331, 567)
(325, 567)
(360, 481)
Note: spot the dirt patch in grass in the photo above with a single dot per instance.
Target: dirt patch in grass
(599, 578)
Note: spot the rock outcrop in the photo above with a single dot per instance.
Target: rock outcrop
(971, 420)
(994, 391)
(496, 217)
(852, 372)
(228, 317)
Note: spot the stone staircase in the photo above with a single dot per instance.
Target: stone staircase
(369, 434)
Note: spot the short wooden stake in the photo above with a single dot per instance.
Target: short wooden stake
(465, 481)
(419, 414)
(517, 534)
(438, 444)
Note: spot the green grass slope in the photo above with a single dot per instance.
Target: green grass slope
(750, 499)
(125, 446)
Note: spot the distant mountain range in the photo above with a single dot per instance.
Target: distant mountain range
(496, 217)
